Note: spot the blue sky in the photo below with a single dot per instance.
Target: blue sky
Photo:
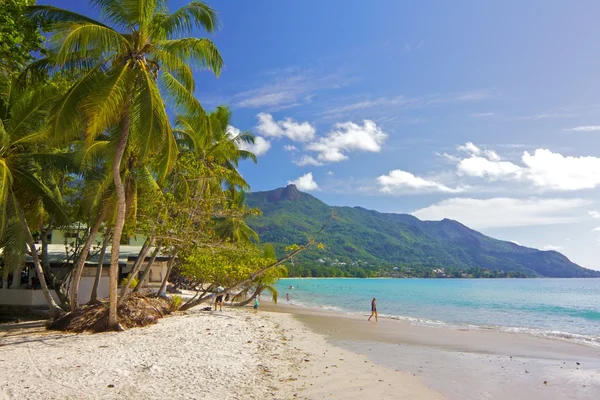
(487, 113)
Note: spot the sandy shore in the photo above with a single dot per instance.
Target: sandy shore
(236, 354)
(466, 364)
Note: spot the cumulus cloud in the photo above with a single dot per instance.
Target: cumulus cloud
(398, 180)
(298, 132)
(348, 137)
(586, 128)
(258, 148)
(289, 147)
(504, 212)
(594, 214)
(307, 160)
(306, 182)
(596, 229)
(543, 168)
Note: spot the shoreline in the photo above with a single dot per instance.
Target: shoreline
(507, 365)
(234, 354)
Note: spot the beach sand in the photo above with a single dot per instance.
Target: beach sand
(234, 354)
(465, 364)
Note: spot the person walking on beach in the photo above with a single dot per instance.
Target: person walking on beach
(287, 296)
(255, 303)
(373, 309)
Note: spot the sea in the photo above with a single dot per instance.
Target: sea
(567, 309)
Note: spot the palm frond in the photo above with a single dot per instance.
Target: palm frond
(183, 21)
(114, 11)
(5, 189)
(53, 205)
(83, 37)
(200, 51)
(50, 15)
(104, 106)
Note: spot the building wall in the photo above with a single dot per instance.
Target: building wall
(25, 297)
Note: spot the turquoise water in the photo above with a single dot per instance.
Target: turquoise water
(562, 308)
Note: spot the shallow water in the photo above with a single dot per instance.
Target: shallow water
(559, 308)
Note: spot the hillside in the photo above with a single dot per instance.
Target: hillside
(375, 241)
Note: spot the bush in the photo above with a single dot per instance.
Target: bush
(175, 303)
(133, 283)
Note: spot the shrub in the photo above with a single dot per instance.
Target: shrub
(175, 303)
(133, 283)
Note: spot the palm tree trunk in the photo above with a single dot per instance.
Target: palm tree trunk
(16, 278)
(146, 273)
(247, 301)
(94, 295)
(113, 299)
(163, 285)
(5, 278)
(137, 265)
(82, 259)
(55, 310)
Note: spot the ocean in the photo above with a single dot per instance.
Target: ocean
(557, 308)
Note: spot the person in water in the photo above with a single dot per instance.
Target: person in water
(373, 309)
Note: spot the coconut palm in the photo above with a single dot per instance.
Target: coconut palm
(128, 66)
(24, 195)
(265, 282)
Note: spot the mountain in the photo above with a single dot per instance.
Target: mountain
(382, 243)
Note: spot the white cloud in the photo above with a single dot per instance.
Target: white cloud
(307, 160)
(504, 212)
(596, 229)
(469, 147)
(289, 147)
(398, 180)
(550, 170)
(473, 95)
(305, 182)
(330, 173)
(258, 148)
(348, 137)
(298, 132)
(550, 247)
(482, 115)
(594, 214)
(544, 169)
(586, 128)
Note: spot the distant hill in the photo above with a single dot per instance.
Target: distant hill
(366, 239)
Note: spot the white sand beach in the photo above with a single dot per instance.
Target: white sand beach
(234, 354)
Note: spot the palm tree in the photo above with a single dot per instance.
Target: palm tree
(126, 66)
(22, 191)
(265, 282)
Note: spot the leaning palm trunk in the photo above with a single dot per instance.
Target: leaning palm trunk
(55, 310)
(94, 295)
(146, 273)
(248, 300)
(137, 266)
(113, 322)
(82, 259)
(163, 285)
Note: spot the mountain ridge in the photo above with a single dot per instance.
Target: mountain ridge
(363, 238)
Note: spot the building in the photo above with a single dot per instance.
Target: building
(61, 245)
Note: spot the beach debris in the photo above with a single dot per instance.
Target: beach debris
(577, 363)
(249, 341)
(545, 382)
(306, 359)
(526, 371)
(110, 386)
(137, 310)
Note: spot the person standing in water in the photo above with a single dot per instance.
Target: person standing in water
(373, 309)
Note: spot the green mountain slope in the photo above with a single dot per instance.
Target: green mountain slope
(363, 238)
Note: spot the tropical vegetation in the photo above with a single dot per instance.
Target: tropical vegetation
(100, 128)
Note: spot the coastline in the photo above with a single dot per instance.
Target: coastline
(234, 354)
(464, 363)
